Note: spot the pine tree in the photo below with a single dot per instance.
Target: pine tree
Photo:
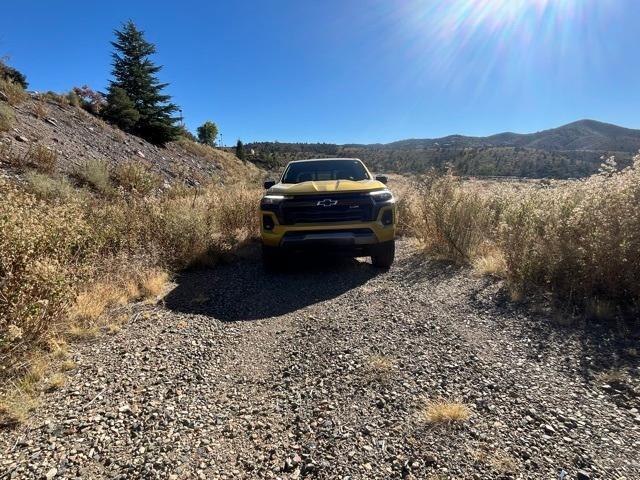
(121, 110)
(240, 150)
(136, 75)
(208, 133)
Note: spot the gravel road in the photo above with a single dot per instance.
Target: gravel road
(324, 371)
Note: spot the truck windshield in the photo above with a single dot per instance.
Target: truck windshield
(314, 170)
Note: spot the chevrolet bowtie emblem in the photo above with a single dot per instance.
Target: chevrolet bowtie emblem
(327, 202)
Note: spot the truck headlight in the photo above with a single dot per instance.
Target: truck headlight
(382, 196)
(274, 199)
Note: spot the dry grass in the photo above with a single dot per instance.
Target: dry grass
(78, 333)
(136, 178)
(7, 117)
(40, 109)
(579, 240)
(14, 92)
(612, 377)
(15, 406)
(56, 381)
(58, 349)
(67, 365)
(113, 328)
(43, 159)
(439, 412)
(380, 367)
(491, 262)
(96, 174)
(499, 461)
(67, 261)
(154, 283)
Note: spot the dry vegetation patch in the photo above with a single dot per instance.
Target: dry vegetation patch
(14, 92)
(380, 367)
(7, 117)
(443, 412)
(66, 260)
(579, 240)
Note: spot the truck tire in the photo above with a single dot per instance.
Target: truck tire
(270, 258)
(383, 254)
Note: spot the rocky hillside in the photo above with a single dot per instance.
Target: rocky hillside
(77, 137)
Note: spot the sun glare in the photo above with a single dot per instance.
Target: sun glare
(454, 38)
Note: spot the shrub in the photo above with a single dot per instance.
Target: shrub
(136, 178)
(92, 101)
(50, 188)
(54, 97)
(11, 74)
(74, 99)
(14, 91)
(42, 158)
(64, 260)
(7, 118)
(40, 109)
(95, 173)
(579, 240)
(450, 221)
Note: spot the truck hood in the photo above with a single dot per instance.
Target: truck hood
(311, 187)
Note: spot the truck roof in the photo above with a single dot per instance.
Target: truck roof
(321, 159)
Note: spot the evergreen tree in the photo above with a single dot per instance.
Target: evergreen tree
(208, 133)
(240, 150)
(136, 75)
(121, 110)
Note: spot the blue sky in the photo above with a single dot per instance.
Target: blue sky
(358, 71)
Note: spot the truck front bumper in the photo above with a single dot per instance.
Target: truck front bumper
(358, 236)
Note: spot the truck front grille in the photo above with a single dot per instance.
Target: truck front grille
(321, 209)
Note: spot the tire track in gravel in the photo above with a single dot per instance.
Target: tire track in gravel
(244, 374)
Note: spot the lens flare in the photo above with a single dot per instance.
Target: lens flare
(489, 39)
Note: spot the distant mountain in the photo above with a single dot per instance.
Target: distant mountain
(573, 150)
(582, 135)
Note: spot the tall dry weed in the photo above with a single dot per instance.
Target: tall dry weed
(579, 240)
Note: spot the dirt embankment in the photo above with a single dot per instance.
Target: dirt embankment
(326, 371)
(78, 137)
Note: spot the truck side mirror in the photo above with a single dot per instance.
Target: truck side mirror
(268, 184)
(382, 179)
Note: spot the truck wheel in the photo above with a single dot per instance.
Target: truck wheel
(384, 254)
(270, 258)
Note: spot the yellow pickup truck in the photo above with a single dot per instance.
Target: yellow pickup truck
(331, 205)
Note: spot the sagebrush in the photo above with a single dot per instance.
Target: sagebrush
(56, 248)
(578, 240)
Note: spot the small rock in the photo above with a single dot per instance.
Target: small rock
(51, 121)
(21, 138)
(582, 475)
(140, 154)
(51, 473)
(3, 96)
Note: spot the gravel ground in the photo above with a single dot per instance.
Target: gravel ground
(324, 371)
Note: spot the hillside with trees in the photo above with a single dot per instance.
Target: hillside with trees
(574, 150)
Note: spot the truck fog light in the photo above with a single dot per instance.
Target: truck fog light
(387, 217)
(267, 222)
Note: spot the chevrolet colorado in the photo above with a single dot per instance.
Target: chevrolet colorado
(330, 204)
